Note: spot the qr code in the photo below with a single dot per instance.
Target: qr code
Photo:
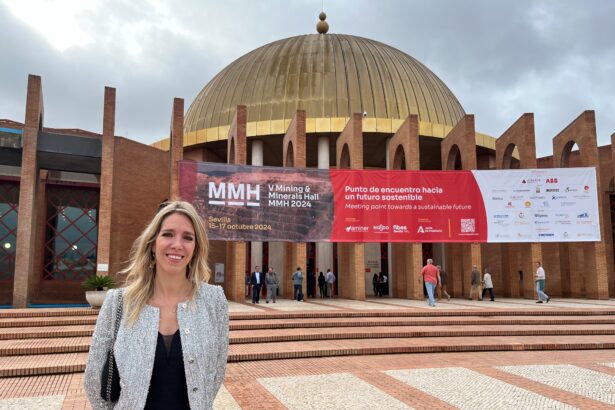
(468, 225)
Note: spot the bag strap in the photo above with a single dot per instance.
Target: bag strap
(118, 316)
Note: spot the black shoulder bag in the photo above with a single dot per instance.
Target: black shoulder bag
(110, 380)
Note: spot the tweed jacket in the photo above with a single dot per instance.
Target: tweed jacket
(203, 327)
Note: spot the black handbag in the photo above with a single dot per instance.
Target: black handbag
(110, 379)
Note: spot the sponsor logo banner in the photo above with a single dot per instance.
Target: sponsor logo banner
(245, 203)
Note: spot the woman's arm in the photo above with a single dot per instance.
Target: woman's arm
(101, 342)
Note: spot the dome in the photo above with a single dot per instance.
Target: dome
(330, 76)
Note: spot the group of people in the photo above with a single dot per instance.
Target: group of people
(380, 283)
(435, 278)
(255, 280)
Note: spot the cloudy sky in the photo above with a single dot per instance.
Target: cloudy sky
(500, 58)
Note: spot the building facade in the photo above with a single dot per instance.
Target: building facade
(72, 201)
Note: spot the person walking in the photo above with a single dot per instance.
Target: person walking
(375, 286)
(322, 285)
(272, 283)
(297, 284)
(330, 279)
(487, 285)
(475, 282)
(257, 281)
(429, 274)
(442, 279)
(540, 277)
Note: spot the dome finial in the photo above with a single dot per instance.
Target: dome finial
(322, 26)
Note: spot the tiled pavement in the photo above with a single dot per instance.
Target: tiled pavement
(472, 380)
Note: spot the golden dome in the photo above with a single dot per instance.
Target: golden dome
(329, 76)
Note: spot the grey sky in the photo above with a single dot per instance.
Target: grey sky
(500, 58)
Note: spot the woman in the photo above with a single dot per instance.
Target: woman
(375, 284)
(172, 343)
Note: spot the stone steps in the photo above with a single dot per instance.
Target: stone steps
(43, 346)
(46, 341)
(28, 365)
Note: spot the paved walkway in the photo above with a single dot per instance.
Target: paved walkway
(475, 380)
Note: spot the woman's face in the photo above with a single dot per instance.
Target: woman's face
(174, 245)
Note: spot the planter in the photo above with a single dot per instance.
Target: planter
(95, 297)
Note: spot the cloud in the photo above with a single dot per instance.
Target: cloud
(501, 59)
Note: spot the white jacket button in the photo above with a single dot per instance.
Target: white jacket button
(184, 306)
(187, 331)
(191, 360)
(195, 389)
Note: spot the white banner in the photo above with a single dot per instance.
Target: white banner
(540, 205)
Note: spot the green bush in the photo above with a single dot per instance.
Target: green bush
(97, 282)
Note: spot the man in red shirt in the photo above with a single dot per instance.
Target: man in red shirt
(430, 277)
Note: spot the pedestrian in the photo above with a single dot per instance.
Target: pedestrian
(540, 283)
(375, 284)
(442, 279)
(429, 273)
(330, 279)
(272, 283)
(257, 280)
(475, 282)
(322, 285)
(167, 330)
(297, 284)
(487, 285)
(311, 284)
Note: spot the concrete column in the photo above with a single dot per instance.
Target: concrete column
(391, 272)
(256, 248)
(324, 250)
(27, 219)
(106, 183)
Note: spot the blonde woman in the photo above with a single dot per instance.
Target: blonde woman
(171, 346)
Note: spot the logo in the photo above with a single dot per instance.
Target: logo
(524, 235)
(585, 235)
(546, 204)
(566, 235)
(499, 191)
(586, 188)
(521, 190)
(551, 181)
(510, 205)
(500, 216)
(357, 229)
(567, 203)
(546, 235)
(234, 194)
(552, 189)
(531, 181)
(570, 189)
(527, 204)
(556, 197)
(501, 222)
(583, 215)
(541, 222)
(502, 235)
(521, 215)
(543, 229)
(537, 189)
(536, 197)
(562, 222)
(540, 215)
(560, 215)
(421, 229)
(497, 198)
(516, 197)
(381, 228)
(400, 228)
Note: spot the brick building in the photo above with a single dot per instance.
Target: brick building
(73, 201)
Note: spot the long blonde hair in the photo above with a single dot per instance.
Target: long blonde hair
(141, 271)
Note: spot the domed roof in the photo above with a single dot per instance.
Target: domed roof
(327, 75)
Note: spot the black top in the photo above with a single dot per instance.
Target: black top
(167, 389)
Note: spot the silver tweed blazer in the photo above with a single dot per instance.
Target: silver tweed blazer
(203, 326)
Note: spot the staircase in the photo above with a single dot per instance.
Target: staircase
(53, 341)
